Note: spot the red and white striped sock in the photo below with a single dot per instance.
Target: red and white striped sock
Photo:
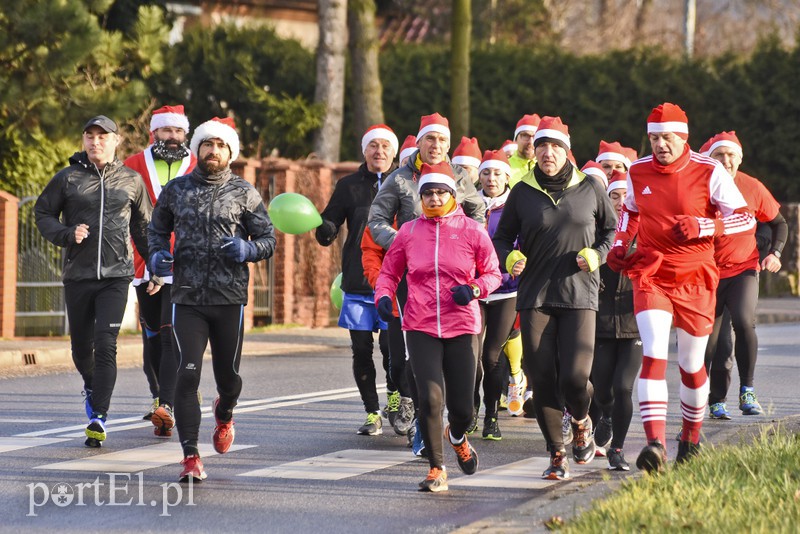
(654, 328)
(694, 383)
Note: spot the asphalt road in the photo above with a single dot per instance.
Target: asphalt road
(298, 464)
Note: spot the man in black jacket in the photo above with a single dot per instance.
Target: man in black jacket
(350, 202)
(220, 224)
(92, 208)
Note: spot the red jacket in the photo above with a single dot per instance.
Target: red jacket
(371, 260)
(440, 253)
(143, 164)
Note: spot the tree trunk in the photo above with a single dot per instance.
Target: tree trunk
(330, 76)
(366, 88)
(459, 69)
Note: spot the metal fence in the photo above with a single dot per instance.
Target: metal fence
(40, 293)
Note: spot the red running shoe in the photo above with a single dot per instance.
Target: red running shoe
(223, 432)
(192, 469)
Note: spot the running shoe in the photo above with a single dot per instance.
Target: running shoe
(603, 433)
(491, 430)
(224, 432)
(473, 426)
(719, 410)
(748, 403)
(411, 436)
(516, 394)
(372, 426)
(652, 458)
(616, 460)
(687, 450)
(163, 420)
(566, 427)
(390, 411)
(418, 447)
(583, 447)
(87, 402)
(153, 407)
(435, 481)
(528, 405)
(559, 466)
(502, 404)
(95, 432)
(465, 454)
(404, 419)
(192, 469)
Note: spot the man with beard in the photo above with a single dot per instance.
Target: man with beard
(162, 161)
(220, 224)
(93, 208)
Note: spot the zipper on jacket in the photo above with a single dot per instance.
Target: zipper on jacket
(436, 271)
(102, 208)
(210, 231)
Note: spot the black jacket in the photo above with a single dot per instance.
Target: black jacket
(615, 316)
(350, 201)
(115, 205)
(201, 212)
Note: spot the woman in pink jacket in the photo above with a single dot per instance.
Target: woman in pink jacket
(442, 250)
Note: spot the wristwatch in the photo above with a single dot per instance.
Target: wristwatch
(776, 253)
(476, 291)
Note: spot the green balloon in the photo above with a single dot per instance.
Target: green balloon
(337, 295)
(292, 213)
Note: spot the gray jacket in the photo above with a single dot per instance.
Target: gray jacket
(399, 197)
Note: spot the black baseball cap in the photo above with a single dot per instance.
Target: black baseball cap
(103, 122)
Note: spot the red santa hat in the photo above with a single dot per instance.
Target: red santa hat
(630, 153)
(379, 131)
(408, 148)
(592, 168)
(613, 152)
(439, 176)
(467, 152)
(668, 118)
(528, 123)
(495, 159)
(169, 116)
(618, 180)
(218, 128)
(433, 123)
(726, 139)
(509, 147)
(552, 129)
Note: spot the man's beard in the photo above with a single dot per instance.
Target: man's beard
(169, 153)
(211, 167)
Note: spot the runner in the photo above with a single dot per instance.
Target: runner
(671, 204)
(442, 251)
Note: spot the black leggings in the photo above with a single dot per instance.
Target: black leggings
(397, 357)
(444, 370)
(194, 327)
(95, 309)
(158, 357)
(362, 343)
(616, 364)
(498, 318)
(558, 348)
(739, 294)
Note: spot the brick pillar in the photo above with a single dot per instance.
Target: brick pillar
(248, 169)
(9, 228)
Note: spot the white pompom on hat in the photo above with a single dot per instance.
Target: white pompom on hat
(218, 128)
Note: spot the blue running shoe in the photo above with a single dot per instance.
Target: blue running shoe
(418, 447)
(719, 411)
(87, 402)
(95, 432)
(748, 403)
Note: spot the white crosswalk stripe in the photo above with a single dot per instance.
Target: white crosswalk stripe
(134, 460)
(525, 474)
(15, 444)
(335, 466)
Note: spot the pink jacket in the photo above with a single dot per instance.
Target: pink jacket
(440, 253)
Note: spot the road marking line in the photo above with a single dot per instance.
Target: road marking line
(525, 474)
(335, 466)
(24, 421)
(15, 444)
(133, 460)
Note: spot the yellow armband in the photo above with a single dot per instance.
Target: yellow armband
(513, 257)
(592, 258)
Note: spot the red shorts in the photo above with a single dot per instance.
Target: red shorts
(691, 305)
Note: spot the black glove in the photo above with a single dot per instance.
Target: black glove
(239, 250)
(385, 309)
(462, 295)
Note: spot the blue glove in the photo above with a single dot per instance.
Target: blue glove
(385, 309)
(462, 295)
(239, 250)
(161, 263)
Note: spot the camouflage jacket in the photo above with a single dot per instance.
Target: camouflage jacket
(201, 210)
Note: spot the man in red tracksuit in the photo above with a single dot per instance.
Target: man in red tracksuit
(672, 205)
(166, 158)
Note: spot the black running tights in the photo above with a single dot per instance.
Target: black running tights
(616, 364)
